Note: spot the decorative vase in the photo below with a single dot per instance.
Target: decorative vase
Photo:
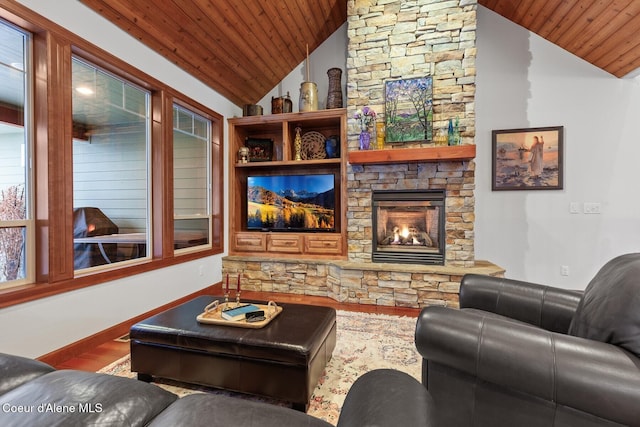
(334, 98)
(332, 146)
(251, 110)
(365, 140)
(308, 96)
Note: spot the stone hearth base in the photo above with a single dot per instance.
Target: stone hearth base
(403, 285)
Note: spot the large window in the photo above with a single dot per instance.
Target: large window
(111, 172)
(105, 171)
(191, 178)
(16, 228)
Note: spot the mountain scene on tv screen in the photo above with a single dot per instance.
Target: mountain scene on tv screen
(282, 207)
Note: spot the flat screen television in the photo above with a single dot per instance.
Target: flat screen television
(291, 202)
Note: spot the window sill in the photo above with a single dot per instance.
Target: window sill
(26, 293)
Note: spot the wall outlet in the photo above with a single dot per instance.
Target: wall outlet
(564, 270)
(591, 208)
(200, 270)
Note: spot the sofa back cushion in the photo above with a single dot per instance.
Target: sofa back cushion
(609, 310)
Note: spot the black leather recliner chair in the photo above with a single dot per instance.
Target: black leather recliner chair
(522, 354)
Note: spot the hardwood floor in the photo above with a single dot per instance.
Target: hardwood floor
(112, 350)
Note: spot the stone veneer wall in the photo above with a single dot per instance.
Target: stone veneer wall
(402, 285)
(392, 39)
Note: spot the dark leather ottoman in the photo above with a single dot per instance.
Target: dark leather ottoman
(283, 360)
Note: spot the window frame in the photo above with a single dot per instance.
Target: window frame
(28, 222)
(216, 172)
(209, 179)
(53, 47)
(148, 164)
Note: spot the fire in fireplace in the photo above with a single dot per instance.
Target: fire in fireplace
(408, 226)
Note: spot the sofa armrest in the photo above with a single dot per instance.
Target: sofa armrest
(76, 398)
(543, 306)
(17, 370)
(593, 377)
(387, 398)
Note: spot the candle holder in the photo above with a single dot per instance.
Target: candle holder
(297, 144)
(226, 300)
(238, 299)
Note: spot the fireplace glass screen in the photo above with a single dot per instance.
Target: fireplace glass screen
(408, 227)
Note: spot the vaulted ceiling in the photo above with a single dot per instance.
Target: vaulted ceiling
(240, 48)
(244, 48)
(602, 32)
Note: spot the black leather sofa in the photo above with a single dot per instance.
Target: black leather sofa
(523, 354)
(34, 394)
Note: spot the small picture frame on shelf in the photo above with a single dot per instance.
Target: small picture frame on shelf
(260, 149)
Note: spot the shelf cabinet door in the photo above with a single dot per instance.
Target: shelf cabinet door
(249, 242)
(284, 243)
(323, 245)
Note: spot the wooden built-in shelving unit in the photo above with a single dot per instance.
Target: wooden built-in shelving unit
(281, 129)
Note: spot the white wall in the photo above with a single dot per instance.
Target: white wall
(36, 328)
(525, 81)
(330, 54)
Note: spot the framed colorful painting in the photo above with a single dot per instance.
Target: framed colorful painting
(408, 110)
(527, 159)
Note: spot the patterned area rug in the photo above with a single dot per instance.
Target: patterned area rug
(364, 342)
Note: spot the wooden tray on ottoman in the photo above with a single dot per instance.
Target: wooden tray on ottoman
(213, 315)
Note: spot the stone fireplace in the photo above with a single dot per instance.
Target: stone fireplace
(408, 227)
(399, 39)
(394, 39)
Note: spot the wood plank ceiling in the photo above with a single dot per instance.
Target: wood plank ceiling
(604, 33)
(240, 48)
(244, 48)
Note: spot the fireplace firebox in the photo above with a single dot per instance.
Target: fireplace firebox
(408, 226)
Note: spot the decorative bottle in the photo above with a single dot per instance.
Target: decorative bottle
(450, 136)
(441, 137)
(380, 134)
(456, 132)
